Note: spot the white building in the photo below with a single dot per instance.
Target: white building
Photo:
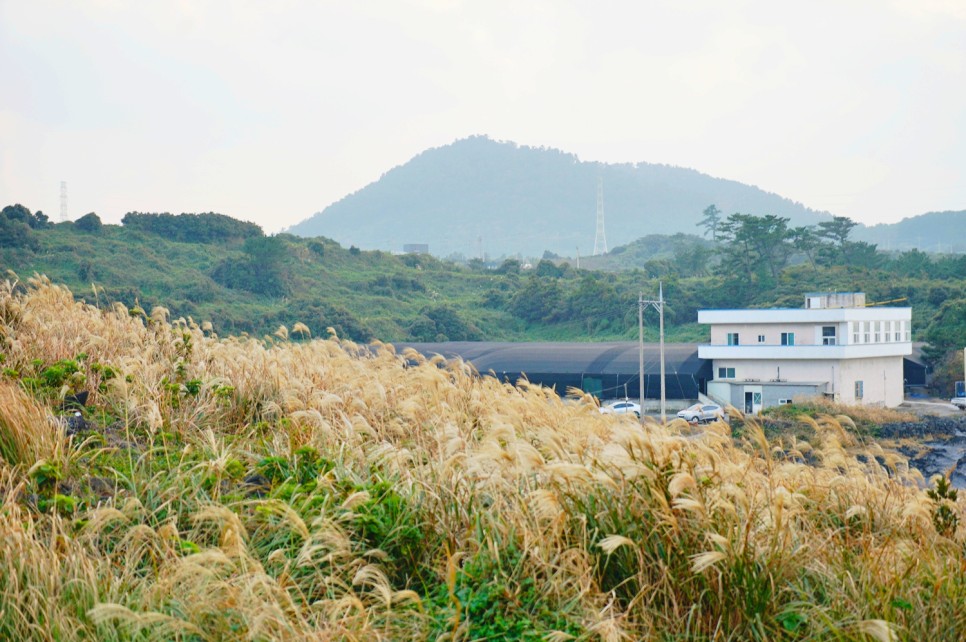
(835, 346)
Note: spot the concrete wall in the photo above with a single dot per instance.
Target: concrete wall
(720, 392)
(882, 377)
(773, 394)
(767, 369)
(882, 381)
(733, 393)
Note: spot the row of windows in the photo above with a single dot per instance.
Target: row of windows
(879, 331)
(862, 332)
(787, 338)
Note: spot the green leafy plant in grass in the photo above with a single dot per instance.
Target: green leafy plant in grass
(61, 504)
(106, 373)
(46, 474)
(944, 516)
(304, 466)
(392, 522)
(497, 598)
(49, 381)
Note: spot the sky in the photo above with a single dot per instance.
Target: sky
(270, 111)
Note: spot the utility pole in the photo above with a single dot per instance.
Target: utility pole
(659, 306)
(660, 298)
(640, 349)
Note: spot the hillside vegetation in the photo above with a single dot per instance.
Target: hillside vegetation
(933, 232)
(239, 489)
(211, 268)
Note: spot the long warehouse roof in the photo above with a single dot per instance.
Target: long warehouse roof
(613, 357)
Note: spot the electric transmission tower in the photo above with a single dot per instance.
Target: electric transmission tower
(63, 201)
(600, 238)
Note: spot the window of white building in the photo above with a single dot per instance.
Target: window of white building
(726, 373)
(732, 338)
(788, 338)
(828, 335)
(859, 389)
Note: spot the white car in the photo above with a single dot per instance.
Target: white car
(959, 402)
(622, 408)
(701, 413)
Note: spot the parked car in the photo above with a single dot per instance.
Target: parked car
(959, 402)
(701, 413)
(622, 408)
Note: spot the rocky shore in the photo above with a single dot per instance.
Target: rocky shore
(941, 448)
(928, 426)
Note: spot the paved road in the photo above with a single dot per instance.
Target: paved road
(931, 407)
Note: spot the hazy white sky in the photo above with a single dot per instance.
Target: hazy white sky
(270, 111)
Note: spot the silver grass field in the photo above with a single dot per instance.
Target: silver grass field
(299, 488)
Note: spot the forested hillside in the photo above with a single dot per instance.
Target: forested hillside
(212, 268)
(931, 232)
(515, 199)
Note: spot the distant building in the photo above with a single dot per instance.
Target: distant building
(416, 248)
(835, 346)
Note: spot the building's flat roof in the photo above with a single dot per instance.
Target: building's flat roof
(769, 382)
(803, 315)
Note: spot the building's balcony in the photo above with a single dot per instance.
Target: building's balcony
(798, 352)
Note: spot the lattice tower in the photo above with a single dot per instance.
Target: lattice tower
(600, 238)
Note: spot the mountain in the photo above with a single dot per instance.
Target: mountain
(513, 199)
(931, 232)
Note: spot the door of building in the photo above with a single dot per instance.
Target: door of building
(752, 399)
(593, 385)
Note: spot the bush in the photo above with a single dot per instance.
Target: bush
(442, 323)
(17, 234)
(20, 213)
(192, 228)
(251, 276)
(89, 223)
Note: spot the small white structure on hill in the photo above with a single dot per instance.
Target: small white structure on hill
(835, 346)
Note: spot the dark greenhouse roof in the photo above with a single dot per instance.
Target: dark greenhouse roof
(581, 358)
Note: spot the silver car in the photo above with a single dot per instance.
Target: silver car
(622, 408)
(701, 413)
